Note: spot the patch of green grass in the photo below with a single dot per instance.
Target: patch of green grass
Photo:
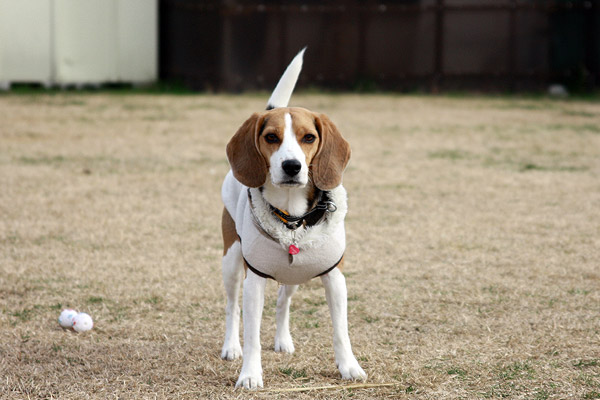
(577, 113)
(26, 314)
(394, 186)
(95, 300)
(154, 300)
(46, 96)
(592, 128)
(105, 164)
(519, 104)
(451, 154)
(553, 353)
(369, 319)
(315, 302)
(532, 167)
(74, 361)
(592, 395)
(457, 371)
(293, 373)
(577, 128)
(582, 292)
(354, 297)
(516, 370)
(493, 289)
(118, 312)
(311, 324)
(83, 286)
(586, 128)
(552, 301)
(11, 239)
(586, 363)
(490, 289)
(51, 238)
(138, 107)
(42, 160)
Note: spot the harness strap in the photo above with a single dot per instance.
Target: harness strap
(257, 272)
(266, 276)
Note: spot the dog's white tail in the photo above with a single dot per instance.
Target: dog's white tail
(283, 91)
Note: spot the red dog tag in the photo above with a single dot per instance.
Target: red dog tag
(293, 250)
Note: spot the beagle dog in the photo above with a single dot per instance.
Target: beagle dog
(284, 220)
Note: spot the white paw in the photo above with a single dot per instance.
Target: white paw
(284, 344)
(231, 351)
(351, 370)
(249, 381)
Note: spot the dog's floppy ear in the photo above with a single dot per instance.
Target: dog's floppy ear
(332, 157)
(247, 163)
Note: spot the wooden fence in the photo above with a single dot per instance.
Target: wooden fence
(434, 45)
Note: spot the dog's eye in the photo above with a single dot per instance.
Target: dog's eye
(271, 138)
(309, 138)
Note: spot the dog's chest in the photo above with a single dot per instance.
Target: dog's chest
(266, 241)
(271, 257)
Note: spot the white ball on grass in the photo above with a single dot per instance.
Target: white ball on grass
(66, 318)
(82, 322)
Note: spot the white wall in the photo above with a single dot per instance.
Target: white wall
(25, 40)
(138, 42)
(78, 41)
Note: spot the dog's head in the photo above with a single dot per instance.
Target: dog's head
(291, 146)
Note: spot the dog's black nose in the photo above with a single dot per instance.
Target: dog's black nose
(291, 167)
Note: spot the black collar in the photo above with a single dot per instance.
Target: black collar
(311, 218)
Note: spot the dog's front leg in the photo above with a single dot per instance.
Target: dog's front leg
(283, 339)
(253, 301)
(337, 299)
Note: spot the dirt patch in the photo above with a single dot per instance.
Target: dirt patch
(472, 264)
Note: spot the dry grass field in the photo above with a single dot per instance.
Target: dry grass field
(473, 260)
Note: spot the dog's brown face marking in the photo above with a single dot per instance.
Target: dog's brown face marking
(316, 139)
(271, 133)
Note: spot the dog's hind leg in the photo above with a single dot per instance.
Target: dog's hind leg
(283, 339)
(233, 274)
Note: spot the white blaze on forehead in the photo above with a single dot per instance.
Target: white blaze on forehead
(289, 149)
(288, 123)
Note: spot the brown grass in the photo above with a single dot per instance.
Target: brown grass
(473, 261)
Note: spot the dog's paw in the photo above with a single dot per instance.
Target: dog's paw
(249, 381)
(231, 352)
(352, 371)
(284, 344)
